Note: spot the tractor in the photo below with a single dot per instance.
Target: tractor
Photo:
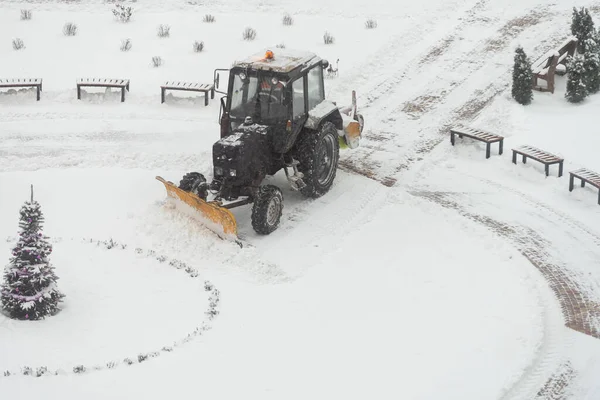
(273, 116)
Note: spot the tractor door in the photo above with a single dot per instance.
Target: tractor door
(295, 102)
(299, 110)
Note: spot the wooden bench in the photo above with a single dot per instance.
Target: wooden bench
(23, 82)
(188, 86)
(102, 82)
(478, 134)
(545, 67)
(539, 155)
(585, 175)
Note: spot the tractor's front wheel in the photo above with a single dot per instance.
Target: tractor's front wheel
(194, 182)
(267, 209)
(318, 153)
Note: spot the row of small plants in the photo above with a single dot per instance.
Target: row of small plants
(124, 14)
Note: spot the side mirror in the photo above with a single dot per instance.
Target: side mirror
(325, 64)
(217, 80)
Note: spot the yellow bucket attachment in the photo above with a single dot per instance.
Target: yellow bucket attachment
(221, 219)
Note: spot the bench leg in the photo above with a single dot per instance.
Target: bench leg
(524, 159)
(487, 150)
(452, 139)
(212, 93)
(501, 147)
(514, 160)
(582, 183)
(122, 94)
(547, 168)
(38, 93)
(78, 92)
(162, 95)
(205, 98)
(560, 169)
(571, 182)
(598, 196)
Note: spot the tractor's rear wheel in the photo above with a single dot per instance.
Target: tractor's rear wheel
(318, 153)
(267, 209)
(194, 182)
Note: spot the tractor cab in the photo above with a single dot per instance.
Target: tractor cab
(275, 90)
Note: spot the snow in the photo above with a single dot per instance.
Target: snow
(115, 299)
(318, 112)
(450, 280)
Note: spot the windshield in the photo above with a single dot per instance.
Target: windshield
(261, 99)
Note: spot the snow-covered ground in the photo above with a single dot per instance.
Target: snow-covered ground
(458, 278)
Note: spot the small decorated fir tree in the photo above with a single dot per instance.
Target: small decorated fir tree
(522, 90)
(576, 89)
(29, 289)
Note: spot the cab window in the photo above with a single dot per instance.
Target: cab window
(298, 108)
(316, 91)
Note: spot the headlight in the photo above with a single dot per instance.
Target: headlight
(243, 76)
(274, 80)
(232, 172)
(218, 171)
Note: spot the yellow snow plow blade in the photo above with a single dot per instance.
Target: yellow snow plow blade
(223, 221)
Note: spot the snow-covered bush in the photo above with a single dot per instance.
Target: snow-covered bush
(249, 34)
(29, 290)
(328, 38)
(591, 65)
(18, 44)
(79, 369)
(522, 90)
(280, 46)
(198, 46)
(122, 13)
(288, 20)
(164, 31)
(371, 24)
(25, 15)
(582, 27)
(576, 89)
(70, 29)
(209, 18)
(157, 61)
(126, 44)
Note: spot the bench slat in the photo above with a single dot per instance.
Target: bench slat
(588, 175)
(175, 85)
(103, 81)
(476, 133)
(17, 81)
(536, 153)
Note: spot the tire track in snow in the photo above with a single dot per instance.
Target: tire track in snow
(395, 58)
(579, 301)
(552, 350)
(314, 227)
(70, 115)
(555, 388)
(429, 132)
